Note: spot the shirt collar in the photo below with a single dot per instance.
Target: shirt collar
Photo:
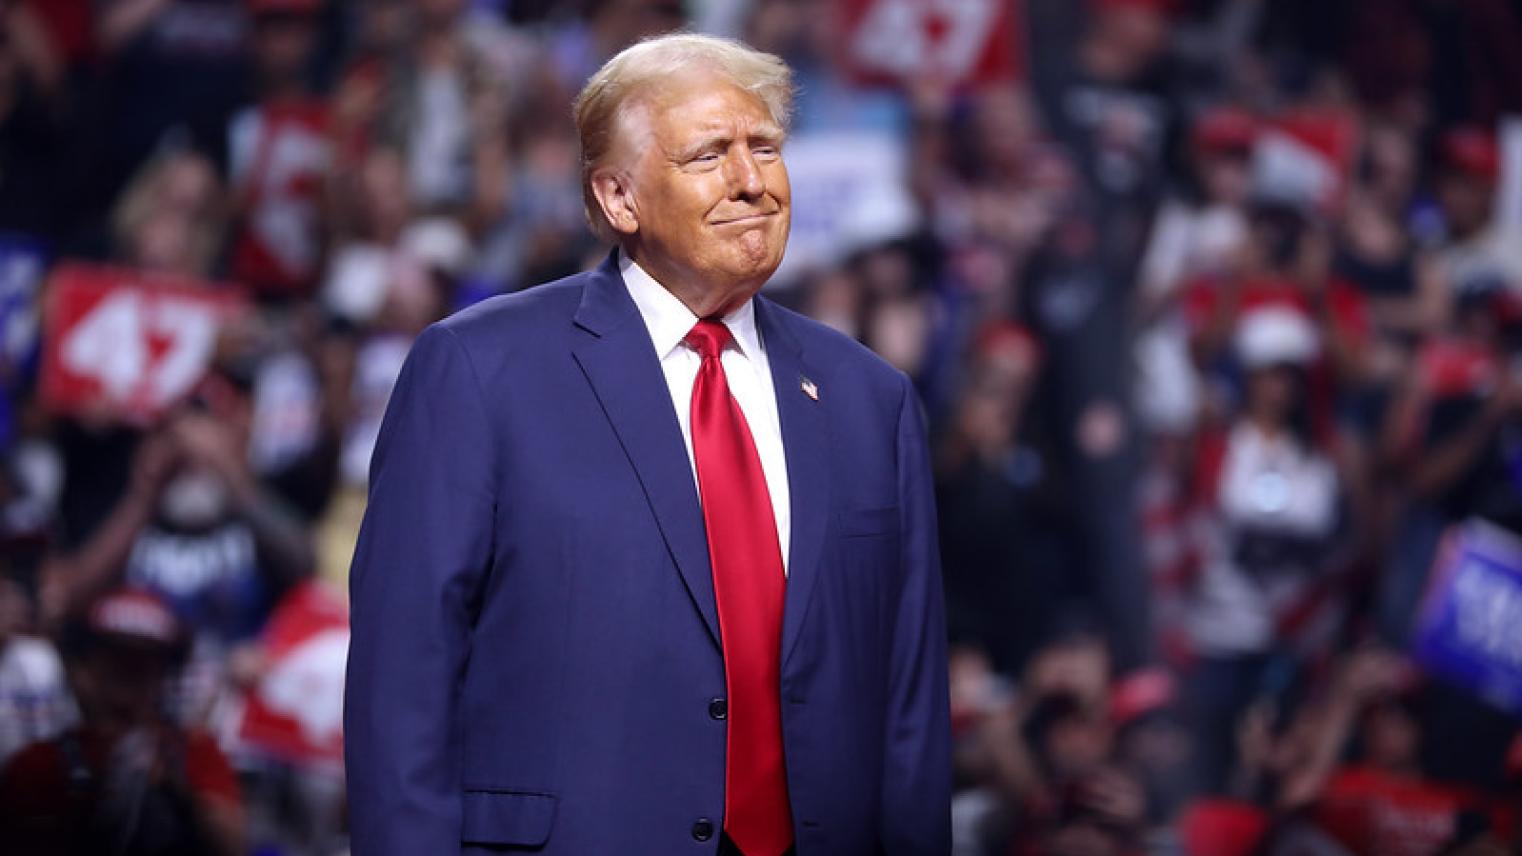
(669, 320)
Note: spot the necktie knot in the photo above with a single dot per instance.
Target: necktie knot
(708, 337)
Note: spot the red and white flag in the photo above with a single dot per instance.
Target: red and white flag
(280, 157)
(1306, 159)
(957, 42)
(296, 712)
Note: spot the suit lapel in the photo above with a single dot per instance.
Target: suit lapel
(621, 365)
(805, 441)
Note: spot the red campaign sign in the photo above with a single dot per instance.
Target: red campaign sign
(128, 343)
(1307, 158)
(295, 714)
(280, 155)
(957, 42)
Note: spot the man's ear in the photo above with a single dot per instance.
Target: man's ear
(615, 196)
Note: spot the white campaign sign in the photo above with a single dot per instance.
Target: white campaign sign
(1509, 199)
(850, 190)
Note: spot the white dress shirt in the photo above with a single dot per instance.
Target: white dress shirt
(745, 367)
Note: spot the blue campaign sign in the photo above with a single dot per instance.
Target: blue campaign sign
(22, 263)
(1469, 630)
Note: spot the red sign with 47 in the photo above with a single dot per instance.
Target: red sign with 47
(128, 344)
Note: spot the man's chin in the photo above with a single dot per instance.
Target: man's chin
(754, 269)
(758, 247)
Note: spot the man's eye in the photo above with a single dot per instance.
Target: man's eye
(764, 151)
(707, 157)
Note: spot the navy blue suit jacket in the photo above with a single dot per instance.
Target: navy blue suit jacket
(535, 644)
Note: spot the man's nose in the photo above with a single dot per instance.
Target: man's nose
(745, 179)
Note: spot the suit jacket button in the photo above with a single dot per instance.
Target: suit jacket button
(718, 708)
(703, 829)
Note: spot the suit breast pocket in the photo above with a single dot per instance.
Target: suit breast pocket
(869, 522)
(862, 580)
(868, 544)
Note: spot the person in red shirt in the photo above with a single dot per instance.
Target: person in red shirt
(128, 780)
(1381, 803)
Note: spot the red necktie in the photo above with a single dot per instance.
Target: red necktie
(748, 585)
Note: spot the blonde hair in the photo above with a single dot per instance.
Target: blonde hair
(629, 74)
(152, 193)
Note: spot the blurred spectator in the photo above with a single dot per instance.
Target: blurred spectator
(196, 527)
(1382, 803)
(1448, 62)
(1204, 234)
(994, 491)
(1153, 743)
(1201, 237)
(35, 703)
(413, 294)
(296, 362)
(897, 314)
(128, 779)
(279, 155)
(1401, 284)
(446, 100)
(1111, 110)
(988, 175)
(170, 218)
(1478, 249)
(1375, 250)
(1269, 560)
(174, 71)
(1452, 434)
(374, 208)
(540, 235)
(1286, 264)
(1047, 757)
(37, 121)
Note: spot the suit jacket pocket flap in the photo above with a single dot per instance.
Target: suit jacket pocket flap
(507, 817)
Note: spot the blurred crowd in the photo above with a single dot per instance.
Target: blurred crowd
(1214, 306)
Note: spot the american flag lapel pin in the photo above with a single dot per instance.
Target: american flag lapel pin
(809, 388)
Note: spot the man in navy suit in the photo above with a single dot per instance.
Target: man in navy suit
(649, 564)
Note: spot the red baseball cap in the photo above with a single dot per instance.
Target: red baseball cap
(137, 616)
(1140, 693)
(1006, 336)
(1225, 129)
(1472, 150)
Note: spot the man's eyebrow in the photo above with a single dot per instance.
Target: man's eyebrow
(764, 128)
(767, 133)
(714, 140)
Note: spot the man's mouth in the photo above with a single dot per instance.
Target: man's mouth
(744, 219)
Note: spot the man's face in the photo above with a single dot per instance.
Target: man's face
(283, 45)
(708, 186)
(120, 686)
(15, 608)
(439, 12)
(1466, 201)
(1392, 737)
